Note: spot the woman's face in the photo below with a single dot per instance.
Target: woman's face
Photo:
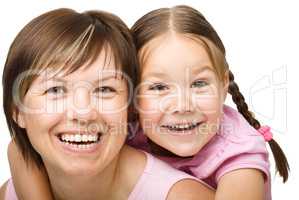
(180, 97)
(77, 122)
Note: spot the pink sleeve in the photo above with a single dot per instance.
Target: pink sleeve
(246, 160)
(10, 191)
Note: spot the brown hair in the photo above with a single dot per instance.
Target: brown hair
(188, 21)
(65, 39)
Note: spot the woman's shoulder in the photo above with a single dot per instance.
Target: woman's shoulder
(131, 155)
(132, 163)
(156, 179)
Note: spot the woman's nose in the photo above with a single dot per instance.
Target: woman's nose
(80, 105)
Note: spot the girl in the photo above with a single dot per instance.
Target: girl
(183, 82)
(184, 79)
(65, 99)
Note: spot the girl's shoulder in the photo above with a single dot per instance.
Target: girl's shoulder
(235, 129)
(237, 145)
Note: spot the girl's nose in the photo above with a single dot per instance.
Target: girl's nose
(182, 102)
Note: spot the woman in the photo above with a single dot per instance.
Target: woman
(65, 90)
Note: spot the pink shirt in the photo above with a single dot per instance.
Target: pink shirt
(156, 181)
(237, 145)
(10, 193)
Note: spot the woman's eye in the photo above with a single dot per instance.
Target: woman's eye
(105, 89)
(199, 84)
(158, 87)
(56, 90)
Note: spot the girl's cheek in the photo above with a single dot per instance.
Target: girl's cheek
(149, 113)
(208, 105)
(211, 109)
(148, 105)
(149, 121)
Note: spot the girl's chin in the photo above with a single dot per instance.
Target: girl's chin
(185, 150)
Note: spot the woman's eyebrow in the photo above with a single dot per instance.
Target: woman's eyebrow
(107, 78)
(94, 81)
(51, 78)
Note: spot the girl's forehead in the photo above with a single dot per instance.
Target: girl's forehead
(176, 43)
(174, 53)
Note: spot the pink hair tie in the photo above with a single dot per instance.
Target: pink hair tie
(266, 133)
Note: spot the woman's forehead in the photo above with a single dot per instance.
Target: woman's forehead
(101, 63)
(90, 74)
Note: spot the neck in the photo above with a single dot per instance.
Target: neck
(82, 186)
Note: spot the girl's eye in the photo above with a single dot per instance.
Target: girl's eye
(56, 90)
(158, 87)
(105, 89)
(199, 84)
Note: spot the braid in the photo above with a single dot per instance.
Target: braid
(281, 162)
(239, 100)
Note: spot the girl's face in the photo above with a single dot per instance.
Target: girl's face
(180, 97)
(77, 122)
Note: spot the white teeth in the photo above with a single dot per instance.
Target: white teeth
(85, 138)
(182, 126)
(80, 146)
(90, 138)
(79, 138)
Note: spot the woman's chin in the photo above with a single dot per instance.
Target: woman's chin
(81, 169)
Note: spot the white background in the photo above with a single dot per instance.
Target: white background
(261, 39)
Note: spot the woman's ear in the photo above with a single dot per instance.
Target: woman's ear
(18, 117)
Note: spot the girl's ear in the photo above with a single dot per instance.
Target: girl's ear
(18, 117)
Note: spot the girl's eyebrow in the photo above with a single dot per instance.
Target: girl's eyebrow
(198, 70)
(155, 75)
(194, 70)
